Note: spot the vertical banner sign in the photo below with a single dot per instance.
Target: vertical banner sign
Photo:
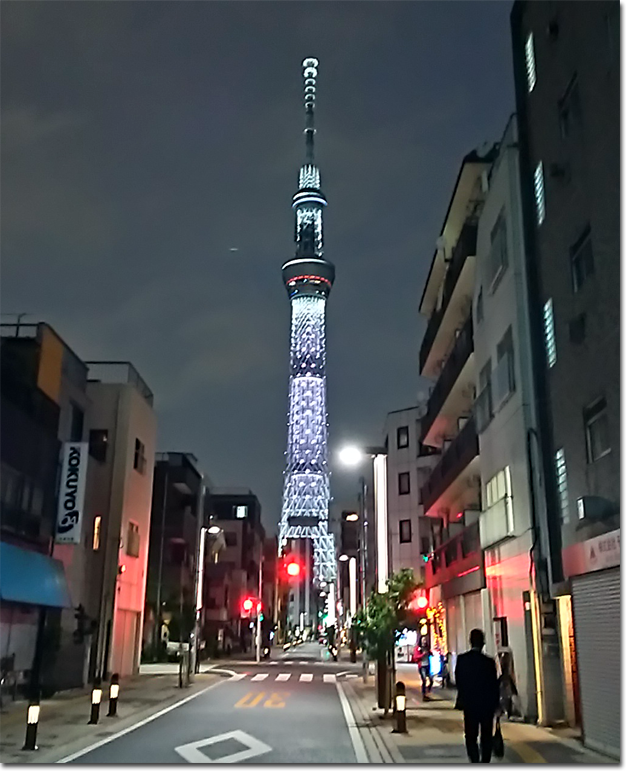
(72, 493)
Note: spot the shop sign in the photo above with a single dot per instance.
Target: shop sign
(604, 551)
(71, 493)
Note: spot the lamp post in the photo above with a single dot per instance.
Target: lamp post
(351, 456)
(214, 531)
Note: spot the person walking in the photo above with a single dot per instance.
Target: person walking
(477, 696)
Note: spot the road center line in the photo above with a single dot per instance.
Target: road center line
(142, 722)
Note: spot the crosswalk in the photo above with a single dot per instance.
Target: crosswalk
(285, 677)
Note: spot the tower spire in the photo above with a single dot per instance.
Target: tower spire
(309, 73)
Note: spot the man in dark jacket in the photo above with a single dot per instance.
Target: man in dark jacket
(477, 696)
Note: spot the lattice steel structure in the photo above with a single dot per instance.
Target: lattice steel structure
(308, 278)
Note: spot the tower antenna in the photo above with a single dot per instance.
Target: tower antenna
(309, 73)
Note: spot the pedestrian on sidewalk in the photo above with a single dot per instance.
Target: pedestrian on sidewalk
(477, 696)
(422, 657)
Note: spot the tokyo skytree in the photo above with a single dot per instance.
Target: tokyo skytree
(308, 278)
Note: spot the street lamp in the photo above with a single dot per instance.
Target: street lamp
(352, 456)
(214, 531)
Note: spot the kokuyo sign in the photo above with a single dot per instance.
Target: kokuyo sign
(72, 493)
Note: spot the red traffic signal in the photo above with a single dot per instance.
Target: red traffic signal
(248, 605)
(419, 602)
(293, 569)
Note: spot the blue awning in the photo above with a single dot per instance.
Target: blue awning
(27, 577)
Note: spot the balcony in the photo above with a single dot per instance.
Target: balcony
(456, 458)
(457, 359)
(497, 522)
(458, 561)
(466, 246)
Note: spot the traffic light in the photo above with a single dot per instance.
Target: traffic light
(419, 602)
(248, 605)
(292, 568)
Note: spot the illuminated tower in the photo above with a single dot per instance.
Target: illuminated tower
(308, 278)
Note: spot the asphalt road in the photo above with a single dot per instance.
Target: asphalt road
(286, 711)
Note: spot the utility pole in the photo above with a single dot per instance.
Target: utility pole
(363, 540)
(158, 595)
(259, 607)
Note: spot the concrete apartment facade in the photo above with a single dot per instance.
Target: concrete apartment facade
(567, 78)
(409, 464)
(123, 429)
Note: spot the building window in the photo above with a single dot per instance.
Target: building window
(403, 483)
(98, 444)
(577, 329)
(582, 263)
(404, 531)
(498, 251)
(133, 539)
(484, 402)
(500, 488)
(539, 193)
(505, 381)
(480, 306)
(231, 540)
(530, 62)
(569, 109)
(596, 428)
(402, 436)
(550, 334)
(96, 539)
(561, 483)
(240, 511)
(139, 461)
(76, 423)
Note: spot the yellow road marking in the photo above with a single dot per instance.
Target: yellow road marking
(245, 703)
(275, 701)
(526, 752)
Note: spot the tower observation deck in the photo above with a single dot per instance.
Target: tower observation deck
(308, 278)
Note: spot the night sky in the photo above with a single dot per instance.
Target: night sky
(141, 141)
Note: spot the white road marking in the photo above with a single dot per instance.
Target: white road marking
(237, 677)
(304, 663)
(259, 677)
(253, 748)
(306, 677)
(142, 722)
(283, 677)
(357, 742)
(330, 678)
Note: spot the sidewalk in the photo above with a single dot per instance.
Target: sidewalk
(63, 721)
(435, 732)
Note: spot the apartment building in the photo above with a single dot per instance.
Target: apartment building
(409, 465)
(451, 495)
(567, 77)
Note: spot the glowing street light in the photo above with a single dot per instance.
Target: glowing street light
(352, 517)
(351, 456)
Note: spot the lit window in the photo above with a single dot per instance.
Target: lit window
(563, 488)
(241, 511)
(550, 334)
(539, 193)
(96, 539)
(404, 531)
(596, 428)
(404, 485)
(530, 62)
(98, 444)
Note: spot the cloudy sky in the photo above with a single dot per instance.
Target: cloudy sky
(141, 141)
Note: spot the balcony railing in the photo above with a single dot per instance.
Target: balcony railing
(455, 556)
(497, 522)
(459, 454)
(466, 246)
(456, 360)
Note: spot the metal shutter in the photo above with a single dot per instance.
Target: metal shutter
(597, 622)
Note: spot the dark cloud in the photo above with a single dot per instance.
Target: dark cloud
(141, 141)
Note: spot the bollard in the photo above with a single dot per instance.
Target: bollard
(32, 721)
(114, 689)
(400, 708)
(97, 694)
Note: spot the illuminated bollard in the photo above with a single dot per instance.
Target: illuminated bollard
(32, 721)
(400, 708)
(114, 689)
(97, 694)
